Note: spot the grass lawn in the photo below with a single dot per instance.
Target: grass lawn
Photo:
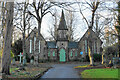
(100, 73)
(28, 73)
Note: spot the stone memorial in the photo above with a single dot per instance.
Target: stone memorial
(20, 57)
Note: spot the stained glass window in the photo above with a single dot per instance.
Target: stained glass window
(71, 54)
(39, 46)
(49, 53)
(85, 46)
(94, 46)
(53, 53)
(75, 53)
(30, 46)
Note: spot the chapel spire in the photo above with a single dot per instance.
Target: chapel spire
(62, 24)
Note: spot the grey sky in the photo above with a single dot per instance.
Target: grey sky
(81, 26)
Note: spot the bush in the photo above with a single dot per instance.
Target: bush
(82, 59)
(17, 47)
(12, 54)
(27, 57)
(87, 58)
(0, 53)
(97, 57)
(111, 50)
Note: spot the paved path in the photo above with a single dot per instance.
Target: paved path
(62, 71)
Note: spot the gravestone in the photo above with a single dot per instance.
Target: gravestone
(32, 60)
(13, 61)
(115, 61)
(24, 60)
(20, 57)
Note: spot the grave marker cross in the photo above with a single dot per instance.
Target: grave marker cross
(20, 57)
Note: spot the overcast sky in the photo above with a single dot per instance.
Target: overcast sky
(81, 26)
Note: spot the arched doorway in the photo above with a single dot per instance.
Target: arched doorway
(62, 55)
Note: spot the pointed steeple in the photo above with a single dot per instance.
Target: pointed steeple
(62, 24)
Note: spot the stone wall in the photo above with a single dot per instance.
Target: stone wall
(94, 38)
(36, 45)
(74, 55)
(52, 54)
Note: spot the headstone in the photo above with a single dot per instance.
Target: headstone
(13, 61)
(115, 61)
(31, 61)
(20, 57)
(24, 60)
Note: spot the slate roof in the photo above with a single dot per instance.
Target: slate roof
(62, 24)
(51, 44)
(73, 45)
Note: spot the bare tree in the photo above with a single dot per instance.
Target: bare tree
(6, 61)
(55, 21)
(3, 16)
(42, 8)
(93, 6)
(70, 21)
(22, 23)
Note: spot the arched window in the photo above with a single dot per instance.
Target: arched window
(86, 46)
(53, 53)
(49, 53)
(71, 54)
(30, 46)
(95, 46)
(76, 53)
(34, 42)
(39, 46)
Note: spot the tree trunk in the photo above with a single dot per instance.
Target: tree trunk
(119, 44)
(3, 24)
(103, 59)
(90, 49)
(24, 49)
(6, 60)
(24, 28)
(91, 56)
(39, 27)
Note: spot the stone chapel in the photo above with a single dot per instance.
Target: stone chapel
(62, 49)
